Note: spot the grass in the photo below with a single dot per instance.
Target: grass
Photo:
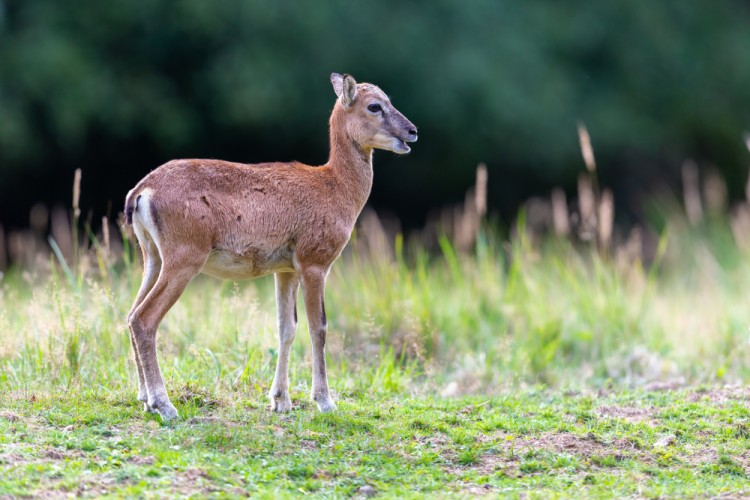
(537, 443)
(527, 367)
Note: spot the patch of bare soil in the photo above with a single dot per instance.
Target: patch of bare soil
(95, 486)
(138, 460)
(435, 440)
(211, 419)
(191, 481)
(722, 395)
(11, 459)
(697, 456)
(489, 463)
(576, 445)
(54, 454)
(28, 455)
(630, 414)
(29, 422)
(366, 491)
(476, 490)
(60, 454)
(700, 456)
(508, 451)
(744, 461)
(10, 416)
(195, 481)
(309, 445)
(668, 385)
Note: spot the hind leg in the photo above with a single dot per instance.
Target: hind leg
(172, 281)
(151, 268)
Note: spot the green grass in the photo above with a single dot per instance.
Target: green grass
(528, 369)
(537, 443)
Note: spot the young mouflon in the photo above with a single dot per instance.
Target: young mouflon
(242, 221)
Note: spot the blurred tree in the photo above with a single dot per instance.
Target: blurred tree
(119, 87)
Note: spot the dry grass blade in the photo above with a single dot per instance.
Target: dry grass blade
(373, 239)
(715, 192)
(587, 206)
(105, 233)
(560, 220)
(62, 233)
(77, 193)
(462, 223)
(586, 150)
(481, 190)
(606, 220)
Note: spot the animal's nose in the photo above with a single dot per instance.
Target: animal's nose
(412, 133)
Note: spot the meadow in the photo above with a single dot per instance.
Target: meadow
(520, 363)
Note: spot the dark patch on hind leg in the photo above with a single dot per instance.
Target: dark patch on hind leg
(323, 310)
(295, 314)
(154, 215)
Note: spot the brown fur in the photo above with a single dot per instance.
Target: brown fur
(235, 220)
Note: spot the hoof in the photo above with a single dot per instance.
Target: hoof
(324, 402)
(165, 410)
(281, 405)
(280, 401)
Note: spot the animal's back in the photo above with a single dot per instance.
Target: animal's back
(245, 217)
(217, 197)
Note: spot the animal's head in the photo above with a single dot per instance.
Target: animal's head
(371, 119)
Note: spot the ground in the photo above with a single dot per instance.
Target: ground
(539, 444)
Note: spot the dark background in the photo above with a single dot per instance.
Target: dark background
(118, 87)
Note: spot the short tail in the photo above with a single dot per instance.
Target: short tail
(131, 205)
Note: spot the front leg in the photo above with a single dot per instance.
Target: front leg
(286, 310)
(313, 283)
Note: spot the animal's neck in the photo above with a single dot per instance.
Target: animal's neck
(351, 163)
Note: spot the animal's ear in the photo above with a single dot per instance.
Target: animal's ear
(337, 81)
(345, 87)
(349, 91)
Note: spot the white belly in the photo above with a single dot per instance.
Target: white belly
(252, 263)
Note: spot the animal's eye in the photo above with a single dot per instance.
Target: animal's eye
(374, 108)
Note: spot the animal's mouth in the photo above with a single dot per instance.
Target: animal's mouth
(400, 146)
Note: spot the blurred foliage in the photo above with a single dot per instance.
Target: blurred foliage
(118, 87)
